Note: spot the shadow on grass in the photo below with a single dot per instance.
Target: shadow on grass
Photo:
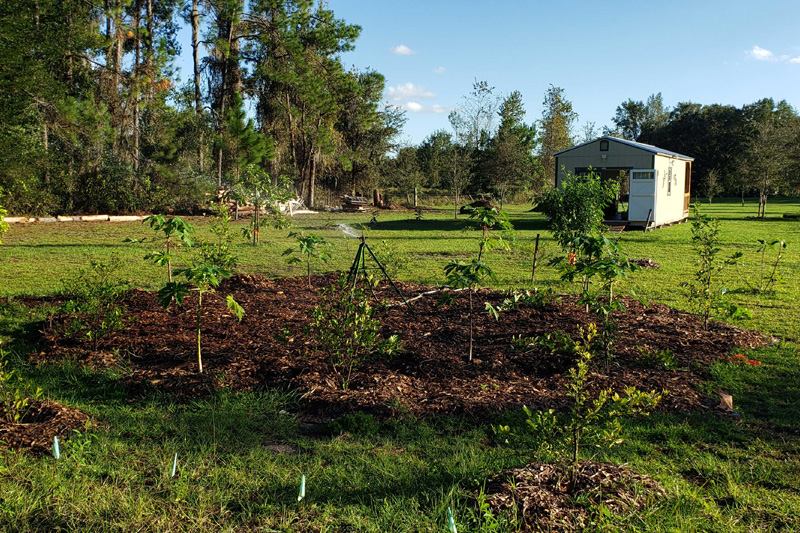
(520, 222)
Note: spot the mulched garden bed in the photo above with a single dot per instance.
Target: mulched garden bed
(44, 420)
(271, 347)
(541, 497)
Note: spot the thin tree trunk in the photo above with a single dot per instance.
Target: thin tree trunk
(470, 324)
(198, 104)
(136, 81)
(197, 325)
(312, 181)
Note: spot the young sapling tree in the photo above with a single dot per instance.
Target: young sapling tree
(312, 247)
(257, 188)
(598, 257)
(219, 252)
(176, 233)
(468, 275)
(704, 295)
(768, 275)
(590, 418)
(201, 277)
(461, 275)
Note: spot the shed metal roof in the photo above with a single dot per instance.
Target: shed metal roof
(642, 146)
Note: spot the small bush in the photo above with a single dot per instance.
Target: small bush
(14, 401)
(535, 299)
(94, 298)
(344, 326)
(657, 358)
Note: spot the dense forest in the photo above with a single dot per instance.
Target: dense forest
(93, 120)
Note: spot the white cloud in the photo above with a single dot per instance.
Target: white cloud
(406, 92)
(408, 96)
(761, 54)
(795, 60)
(401, 50)
(414, 107)
(439, 70)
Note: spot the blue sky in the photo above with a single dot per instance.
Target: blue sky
(601, 52)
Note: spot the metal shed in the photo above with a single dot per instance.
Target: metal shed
(655, 184)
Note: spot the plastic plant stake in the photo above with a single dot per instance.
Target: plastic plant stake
(450, 522)
(174, 466)
(56, 448)
(302, 488)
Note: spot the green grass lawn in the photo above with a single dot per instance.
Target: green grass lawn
(402, 474)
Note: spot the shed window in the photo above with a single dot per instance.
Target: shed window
(643, 174)
(604, 146)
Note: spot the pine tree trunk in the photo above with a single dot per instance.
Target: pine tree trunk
(198, 104)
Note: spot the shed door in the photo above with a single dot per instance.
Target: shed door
(643, 188)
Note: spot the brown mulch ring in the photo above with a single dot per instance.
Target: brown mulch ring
(271, 347)
(542, 497)
(44, 420)
(645, 263)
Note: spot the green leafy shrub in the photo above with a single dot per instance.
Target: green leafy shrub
(705, 295)
(393, 260)
(591, 419)
(94, 298)
(598, 257)
(657, 358)
(576, 207)
(344, 326)
(535, 299)
(14, 399)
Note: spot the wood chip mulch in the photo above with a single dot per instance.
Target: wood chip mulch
(541, 498)
(271, 347)
(44, 421)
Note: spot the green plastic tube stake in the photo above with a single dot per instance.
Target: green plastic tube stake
(450, 522)
(56, 448)
(174, 466)
(302, 488)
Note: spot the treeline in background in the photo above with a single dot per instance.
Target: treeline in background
(92, 118)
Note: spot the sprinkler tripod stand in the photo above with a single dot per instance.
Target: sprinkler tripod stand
(360, 266)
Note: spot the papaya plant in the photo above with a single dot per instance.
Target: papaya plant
(461, 275)
(176, 233)
(202, 277)
(312, 247)
(468, 275)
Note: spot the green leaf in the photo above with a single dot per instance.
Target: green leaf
(173, 290)
(234, 306)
